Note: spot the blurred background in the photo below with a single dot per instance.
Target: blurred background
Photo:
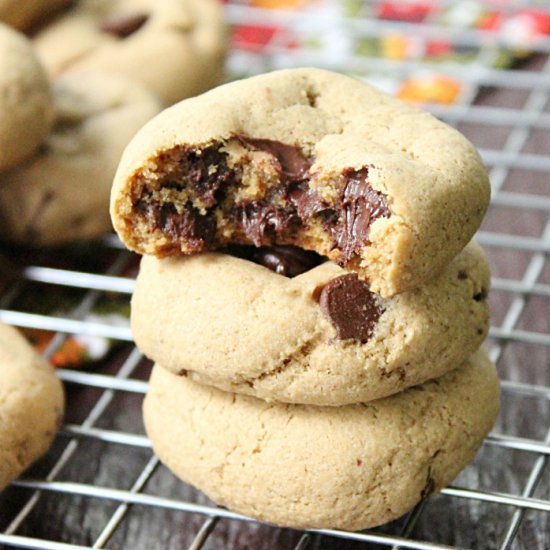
(482, 67)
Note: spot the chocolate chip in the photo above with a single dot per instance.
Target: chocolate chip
(262, 222)
(123, 26)
(307, 201)
(482, 295)
(198, 230)
(208, 174)
(351, 307)
(289, 261)
(462, 275)
(361, 206)
(275, 218)
(294, 165)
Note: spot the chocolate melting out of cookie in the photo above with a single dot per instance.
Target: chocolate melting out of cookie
(289, 261)
(351, 307)
(274, 219)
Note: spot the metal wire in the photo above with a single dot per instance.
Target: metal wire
(523, 122)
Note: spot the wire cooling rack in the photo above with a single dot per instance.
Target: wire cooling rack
(100, 485)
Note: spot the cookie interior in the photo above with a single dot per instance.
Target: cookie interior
(261, 192)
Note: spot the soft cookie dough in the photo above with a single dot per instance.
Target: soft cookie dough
(61, 194)
(176, 48)
(26, 103)
(236, 325)
(299, 466)
(304, 157)
(31, 405)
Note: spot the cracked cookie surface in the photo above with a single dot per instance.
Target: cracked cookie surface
(31, 405)
(300, 466)
(319, 338)
(309, 158)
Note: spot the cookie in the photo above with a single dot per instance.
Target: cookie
(176, 48)
(31, 405)
(309, 158)
(26, 14)
(26, 104)
(300, 466)
(62, 193)
(320, 338)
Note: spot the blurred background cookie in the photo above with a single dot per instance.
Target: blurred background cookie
(61, 194)
(25, 14)
(26, 105)
(31, 404)
(176, 48)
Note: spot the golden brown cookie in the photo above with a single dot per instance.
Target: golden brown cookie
(61, 194)
(320, 338)
(309, 158)
(176, 48)
(31, 405)
(300, 466)
(26, 104)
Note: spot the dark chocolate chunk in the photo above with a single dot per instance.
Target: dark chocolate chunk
(351, 307)
(289, 261)
(123, 26)
(208, 173)
(294, 165)
(307, 201)
(262, 222)
(480, 295)
(361, 206)
(196, 229)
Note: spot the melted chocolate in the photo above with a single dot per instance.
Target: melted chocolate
(208, 174)
(294, 165)
(123, 26)
(307, 201)
(262, 222)
(361, 206)
(351, 307)
(284, 210)
(289, 261)
(197, 230)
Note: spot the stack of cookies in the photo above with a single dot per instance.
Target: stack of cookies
(310, 296)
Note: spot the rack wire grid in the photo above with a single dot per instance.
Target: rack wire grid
(100, 486)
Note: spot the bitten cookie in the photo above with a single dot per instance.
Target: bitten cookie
(25, 14)
(26, 104)
(31, 405)
(62, 193)
(176, 48)
(304, 157)
(299, 466)
(321, 338)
